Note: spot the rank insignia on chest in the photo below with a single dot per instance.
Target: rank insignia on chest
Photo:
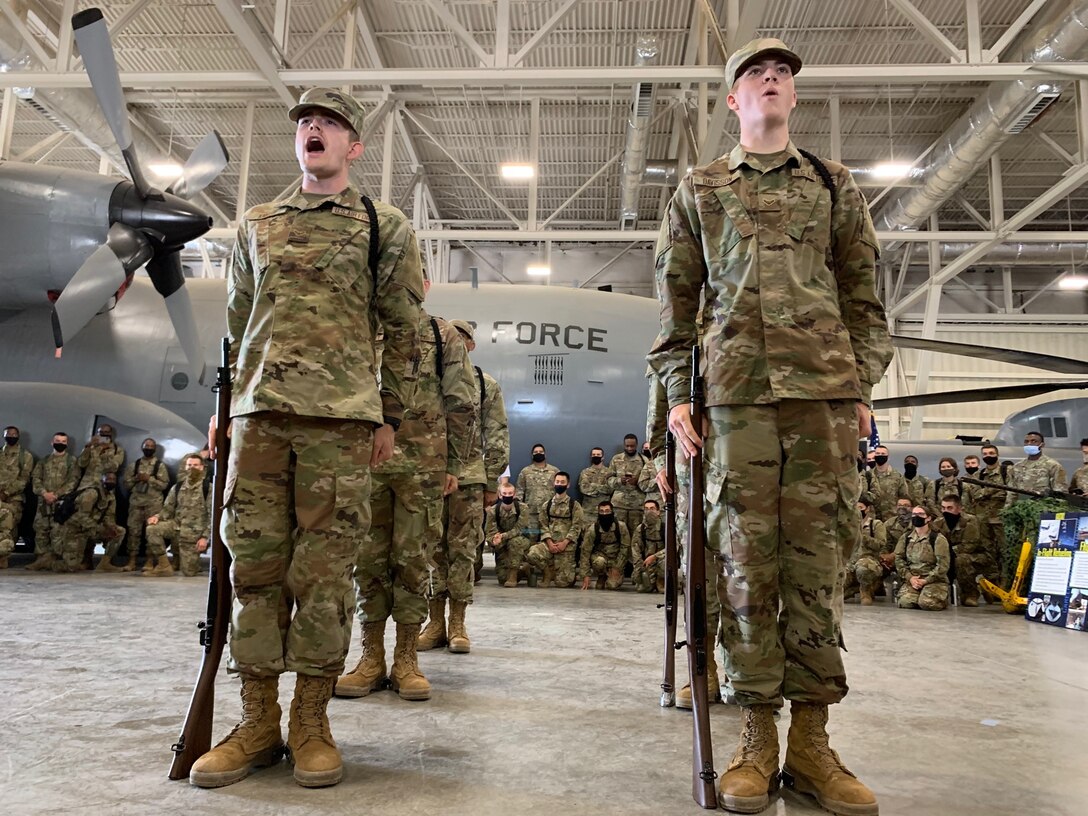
(358, 216)
(299, 235)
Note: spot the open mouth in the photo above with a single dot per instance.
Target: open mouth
(771, 92)
(314, 144)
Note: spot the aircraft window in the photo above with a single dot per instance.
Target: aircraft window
(1046, 427)
(1060, 428)
(548, 369)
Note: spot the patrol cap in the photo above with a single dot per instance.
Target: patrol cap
(465, 328)
(344, 105)
(757, 50)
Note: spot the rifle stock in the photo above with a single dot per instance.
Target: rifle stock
(672, 567)
(1072, 499)
(703, 774)
(196, 733)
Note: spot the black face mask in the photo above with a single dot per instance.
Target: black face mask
(11, 440)
(947, 474)
(560, 489)
(149, 452)
(989, 460)
(918, 521)
(109, 485)
(881, 460)
(971, 471)
(507, 499)
(596, 459)
(538, 457)
(951, 519)
(60, 447)
(606, 521)
(910, 470)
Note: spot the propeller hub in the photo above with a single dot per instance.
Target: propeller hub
(170, 222)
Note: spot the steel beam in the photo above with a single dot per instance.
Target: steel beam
(932, 292)
(1082, 119)
(322, 30)
(281, 24)
(931, 32)
(266, 65)
(835, 111)
(608, 264)
(1013, 31)
(1054, 147)
(64, 36)
(534, 160)
(348, 57)
(543, 32)
(51, 148)
(502, 34)
(974, 31)
(463, 34)
(997, 193)
(244, 166)
(29, 39)
(7, 123)
(387, 159)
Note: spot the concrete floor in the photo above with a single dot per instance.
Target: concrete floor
(961, 713)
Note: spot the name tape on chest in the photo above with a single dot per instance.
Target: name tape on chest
(355, 214)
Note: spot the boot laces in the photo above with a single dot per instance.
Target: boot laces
(253, 710)
(817, 739)
(753, 741)
(311, 710)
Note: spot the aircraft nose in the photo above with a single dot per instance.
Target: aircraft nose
(168, 219)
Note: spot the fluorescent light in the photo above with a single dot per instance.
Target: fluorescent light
(538, 270)
(517, 171)
(1073, 282)
(165, 169)
(889, 170)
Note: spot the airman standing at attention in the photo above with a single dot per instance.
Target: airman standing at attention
(54, 477)
(16, 468)
(623, 473)
(987, 507)
(1036, 471)
(780, 249)
(7, 534)
(561, 525)
(186, 518)
(593, 482)
(315, 276)
(917, 484)
(145, 480)
(606, 550)
(504, 530)
(885, 484)
(535, 483)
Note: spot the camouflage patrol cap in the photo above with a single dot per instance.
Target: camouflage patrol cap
(756, 50)
(344, 105)
(465, 328)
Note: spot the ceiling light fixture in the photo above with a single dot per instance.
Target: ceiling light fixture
(890, 170)
(538, 270)
(517, 172)
(1073, 282)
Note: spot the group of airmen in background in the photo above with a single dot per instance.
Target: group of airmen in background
(76, 500)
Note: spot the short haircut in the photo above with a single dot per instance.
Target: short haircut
(1084, 442)
(1036, 433)
(538, 445)
(879, 447)
(910, 456)
(605, 503)
(61, 433)
(196, 456)
(653, 502)
(952, 497)
(10, 428)
(562, 473)
(988, 446)
(630, 436)
(596, 448)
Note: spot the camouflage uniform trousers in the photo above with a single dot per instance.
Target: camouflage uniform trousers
(141, 507)
(631, 516)
(645, 578)
(865, 572)
(601, 566)
(511, 555)
(160, 533)
(931, 597)
(82, 531)
(48, 536)
(455, 556)
(7, 531)
(781, 486)
(969, 568)
(296, 507)
(563, 564)
(15, 505)
(993, 539)
(392, 564)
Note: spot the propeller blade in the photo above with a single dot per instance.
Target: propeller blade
(93, 39)
(976, 395)
(205, 163)
(169, 280)
(1047, 362)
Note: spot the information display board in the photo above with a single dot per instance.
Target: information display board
(1059, 580)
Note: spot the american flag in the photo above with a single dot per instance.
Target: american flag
(874, 435)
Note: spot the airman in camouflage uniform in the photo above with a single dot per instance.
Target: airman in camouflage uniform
(535, 483)
(918, 486)
(647, 482)
(94, 521)
(54, 476)
(1036, 472)
(145, 479)
(898, 524)
(314, 277)
(864, 571)
(795, 338)
(922, 558)
(7, 534)
(504, 530)
(101, 455)
(623, 474)
(392, 567)
(948, 484)
(606, 549)
(648, 550)
(594, 482)
(186, 518)
(1079, 482)
(970, 556)
(16, 468)
(885, 484)
(561, 525)
(987, 506)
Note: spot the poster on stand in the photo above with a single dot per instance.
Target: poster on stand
(1059, 582)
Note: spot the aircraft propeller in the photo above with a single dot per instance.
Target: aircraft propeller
(147, 226)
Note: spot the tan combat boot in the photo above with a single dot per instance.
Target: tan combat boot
(713, 687)
(812, 766)
(866, 596)
(408, 681)
(106, 565)
(369, 673)
(511, 578)
(459, 642)
(310, 745)
(159, 569)
(44, 561)
(434, 633)
(131, 565)
(4, 563)
(256, 742)
(752, 775)
(602, 582)
(549, 578)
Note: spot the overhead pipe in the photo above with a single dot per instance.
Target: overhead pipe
(638, 135)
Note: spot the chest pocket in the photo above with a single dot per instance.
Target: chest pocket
(810, 220)
(722, 212)
(312, 246)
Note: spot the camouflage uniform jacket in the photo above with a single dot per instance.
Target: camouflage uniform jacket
(886, 488)
(57, 473)
(98, 460)
(1079, 480)
(918, 489)
(303, 311)
(948, 486)
(627, 496)
(474, 472)
(874, 538)
(791, 310)
(16, 468)
(916, 555)
(535, 484)
(509, 520)
(158, 478)
(614, 545)
(94, 506)
(494, 429)
(988, 501)
(649, 539)
(1041, 475)
(895, 528)
(190, 505)
(439, 415)
(657, 414)
(561, 517)
(966, 539)
(594, 485)
(647, 483)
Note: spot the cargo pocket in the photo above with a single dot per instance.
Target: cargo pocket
(719, 537)
(352, 500)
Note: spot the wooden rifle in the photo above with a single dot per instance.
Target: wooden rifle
(672, 567)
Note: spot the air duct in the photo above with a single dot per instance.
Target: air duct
(1005, 108)
(638, 134)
